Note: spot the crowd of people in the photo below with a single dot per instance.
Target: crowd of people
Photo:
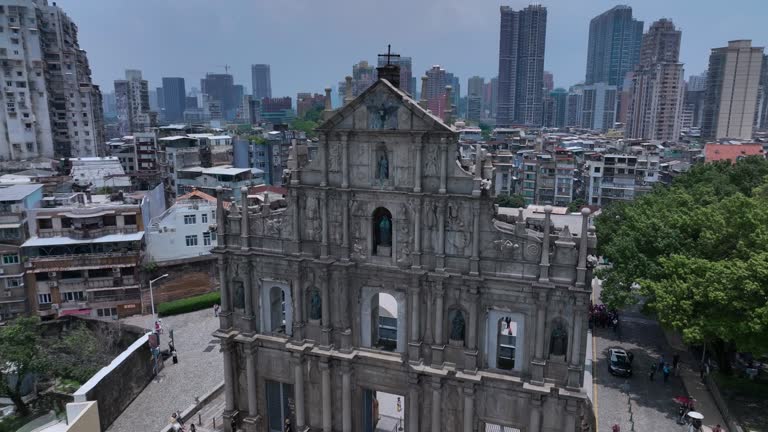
(600, 316)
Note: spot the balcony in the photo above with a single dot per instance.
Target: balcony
(96, 283)
(85, 234)
(83, 261)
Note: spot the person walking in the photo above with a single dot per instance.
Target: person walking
(676, 364)
(718, 428)
(666, 372)
(652, 372)
(192, 427)
(216, 310)
(288, 427)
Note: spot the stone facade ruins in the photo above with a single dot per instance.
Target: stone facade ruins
(389, 270)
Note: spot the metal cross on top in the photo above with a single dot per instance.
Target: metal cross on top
(389, 54)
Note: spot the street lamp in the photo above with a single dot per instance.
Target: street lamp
(152, 298)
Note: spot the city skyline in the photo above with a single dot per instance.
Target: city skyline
(448, 31)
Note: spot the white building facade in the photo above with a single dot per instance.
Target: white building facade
(186, 230)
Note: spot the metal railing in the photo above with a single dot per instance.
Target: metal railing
(86, 233)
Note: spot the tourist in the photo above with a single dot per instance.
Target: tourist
(215, 310)
(676, 364)
(718, 428)
(288, 427)
(666, 371)
(192, 428)
(652, 372)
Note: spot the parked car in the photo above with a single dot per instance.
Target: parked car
(619, 362)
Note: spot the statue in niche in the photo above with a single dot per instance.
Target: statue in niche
(558, 344)
(430, 164)
(454, 216)
(334, 157)
(239, 300)
(315, 305)
(385, 231)
(431, 214)
(382, 166)
(312, 207)
(457, 326)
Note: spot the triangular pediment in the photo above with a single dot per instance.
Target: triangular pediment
(383, 107)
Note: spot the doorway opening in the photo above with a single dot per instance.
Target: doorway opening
(280, 406)
(384, 316)
(383, 412)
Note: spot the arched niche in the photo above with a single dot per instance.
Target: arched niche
(276, 308)
(375, 304)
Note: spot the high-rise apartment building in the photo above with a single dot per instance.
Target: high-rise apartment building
(52, 107)
(437, 81)
(549, 82)
(574, 102)
(132, 100)
(261, 81)
(656, 104)
(614, 46)
(693, 102)
(475, 98)
(555, 104)
(521, 66)
(733, 81)
(175, 98)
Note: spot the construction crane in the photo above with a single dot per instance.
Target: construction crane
(226, 68)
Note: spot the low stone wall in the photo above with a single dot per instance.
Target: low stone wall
(188, 415)
(115, 386)
(730, 421)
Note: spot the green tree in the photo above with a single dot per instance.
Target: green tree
(515, 201)
(77, 354)
(697, 252)
(18, 358)
(306, 126)
(485, 130)
(576, 205)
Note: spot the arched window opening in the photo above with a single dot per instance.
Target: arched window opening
(558, 343)
(507, 343)
(315, 305)
(382, 232)
(456, 325)
(277, 310)
(384, 315)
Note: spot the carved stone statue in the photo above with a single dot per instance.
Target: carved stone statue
(430, 164)
(315, 305)
(382, 167)
(457, 326)
(385, 231)
(558, 344)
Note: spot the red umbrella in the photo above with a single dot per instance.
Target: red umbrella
(684, 400)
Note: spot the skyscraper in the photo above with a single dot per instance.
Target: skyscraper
(598, 106)
(475, 98)
(693, 101)
(437, 80)
(220, 89)
(261, 81)
(174, 95)
(761, 113)
(733, 80)
(132, 100)
(521, 66)
(555, 108)
(549, 82)
(656, 104)
(614, 46)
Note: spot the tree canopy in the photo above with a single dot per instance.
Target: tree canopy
(697, 251)
(515, 201)
(18, 358)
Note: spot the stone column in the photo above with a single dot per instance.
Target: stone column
(346, 398)
(325, 372)
(538, 363)
(323, 156)
(324, 224)
(443, 166)
(439, 346)
(440, 252)
(470, 355)
(325, 307)
(298, 387)
(345, 226)
(581, 269)
(413, 403)
(469, 409)
(225, 315)
(248, 287)
(296, 217)
(436, 404)
(534, 422)
(414, 346)
(419, 148)
(227, 346)
(575, 361)
(250, 368)
(298, 316)
(245, 219)
(221, 219)
(474, 262)
(344, 160)
(417, 215)
(544, 265)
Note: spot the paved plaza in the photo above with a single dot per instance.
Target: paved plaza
(199, 370)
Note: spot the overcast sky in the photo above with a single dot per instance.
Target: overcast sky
(312, 44)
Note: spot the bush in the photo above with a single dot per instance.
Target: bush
(190, 304)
